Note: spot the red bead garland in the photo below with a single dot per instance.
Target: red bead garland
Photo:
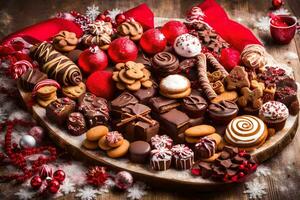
(17, 156)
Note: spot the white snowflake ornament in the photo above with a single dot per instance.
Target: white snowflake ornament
(113, 13)
(137, 191)
(263, 171)
(92, 12)
(263, 24)
(281, 11)
(255, 189)
(87, 193)
(67, 187)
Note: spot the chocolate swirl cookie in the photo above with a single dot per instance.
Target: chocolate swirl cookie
(165, 63)
(56, 65)
(222, 112)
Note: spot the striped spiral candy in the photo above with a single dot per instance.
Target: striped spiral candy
(245, 130)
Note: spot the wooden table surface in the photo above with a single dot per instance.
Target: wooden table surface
(284, 180)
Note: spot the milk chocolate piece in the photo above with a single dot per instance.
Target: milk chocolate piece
(122, 101)
(144, 131)
(94, 109)
(58, 111)
(162, 104)
(206, 169)
(222, 112)
(74, 55)
(174, 122)
(76, 124)
(30, 78)
(194, 105)
(145, 94)
(139, 151)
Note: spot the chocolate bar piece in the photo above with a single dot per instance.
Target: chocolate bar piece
(137, 124)
(145, 94)
(174, 122)
(58, 111)
(30, 78)
(95, 109)
(125, 99)
(162, 104)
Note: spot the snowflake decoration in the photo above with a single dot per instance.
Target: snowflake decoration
(281, 11)
(291, 55)
(255, 189)
(263, 24)
(137, 191)
(77, 167)
(25, 194)
(113, 13)
(67, 187)
(87, 193)
(263, 171)
(92, 12)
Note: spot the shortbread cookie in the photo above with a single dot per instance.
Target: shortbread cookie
(102, 143)
(90, 145)
(119, 151)
(174, 84)
(74, 92)
(177, 95)
(95, 133)
(199, 131)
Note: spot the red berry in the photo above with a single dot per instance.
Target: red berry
(277, 3)
(59, 175)
(53, 186)
(105, 12)
(36, 182)
(107, 19)
(195, 171)
(241, 174)
(234, 178)
(101, 17)
(120, 18)
(242, 167)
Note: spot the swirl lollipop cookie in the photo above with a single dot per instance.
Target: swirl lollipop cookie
(246, 132)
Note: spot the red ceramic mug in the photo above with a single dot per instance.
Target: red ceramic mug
(284, 35)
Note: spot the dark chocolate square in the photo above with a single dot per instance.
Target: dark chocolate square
(145, 94)
(162, 104)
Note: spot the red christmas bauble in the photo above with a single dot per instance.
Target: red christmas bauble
(277, 3)
(153, 41)
(122, 50)
(120, 18)
(173, 29)
(53, 186)
(230, 58)
(36, 182)
(100, 83)
(59, 175)
(92, 59)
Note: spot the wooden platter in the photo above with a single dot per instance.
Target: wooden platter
(168, 178)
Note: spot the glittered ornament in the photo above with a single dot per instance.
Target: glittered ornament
(53, 186)
(123, 180)
(36, 182)
(100, 83)
(120, 18)
(277, 3)
(27, 141)
(172, 30)
(92, 59)
(45, 172)
(59, 175)
(38, 133)
(153, 41)
(122, 50)
(96, 176)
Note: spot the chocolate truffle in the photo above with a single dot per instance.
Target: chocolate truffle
(205, 148)
(163, 104)
(76, 124)
(165, 63)
(139, 151)
(95, 109)
(194, 105)
(183, 157)
(30, 78)
(58, 111)
(161, 141)
(160, 159)
(222, 112)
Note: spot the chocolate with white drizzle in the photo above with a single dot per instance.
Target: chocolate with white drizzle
(202, 76)
(56, 65)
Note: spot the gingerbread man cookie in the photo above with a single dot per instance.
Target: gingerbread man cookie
(238, 78)
(65, 41)
(252, 98)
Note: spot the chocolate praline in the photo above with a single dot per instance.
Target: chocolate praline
(194, 105)
(222, 112)
(139, 151)
(165, 63)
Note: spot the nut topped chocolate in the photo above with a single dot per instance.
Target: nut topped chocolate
(95, 109)
(165, 63)
(76, 124)
(222, 112)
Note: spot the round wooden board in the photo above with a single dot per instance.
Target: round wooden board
(169, 178)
